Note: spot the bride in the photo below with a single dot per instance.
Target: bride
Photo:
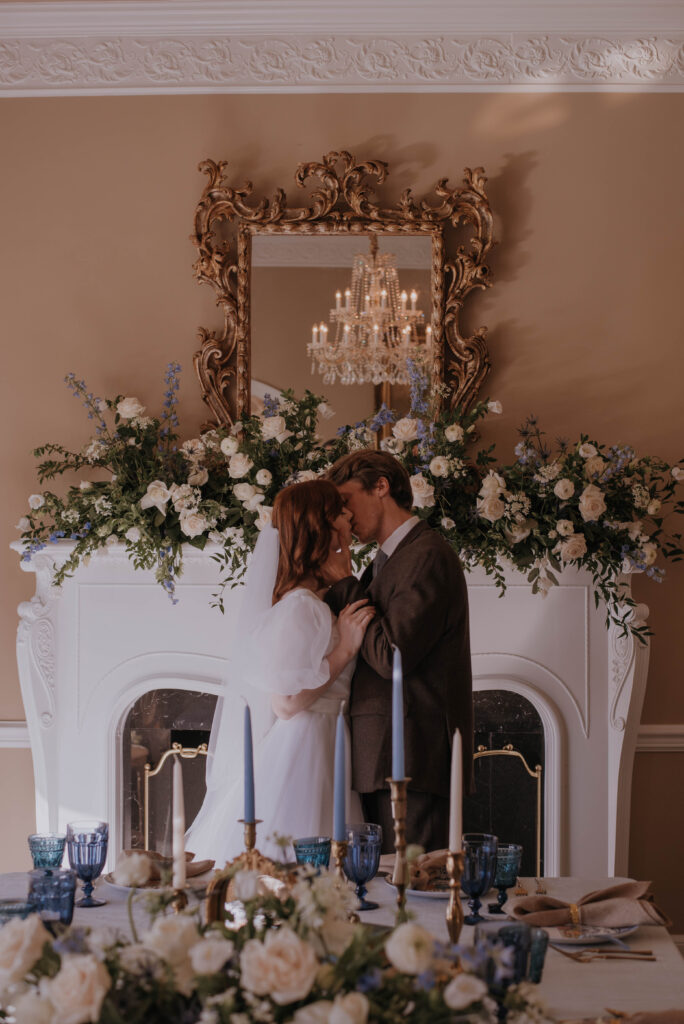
(294, 668)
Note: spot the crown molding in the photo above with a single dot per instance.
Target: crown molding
(661, 739)
(222, 46)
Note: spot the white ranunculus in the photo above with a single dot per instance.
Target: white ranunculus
(132, 869)
(243, 492)
(157, 496)
(495, 407)
(454, 432)
(423, 492)
(490, 507)
(264, 477)
(463, 990)
(587, 450)
(677, 473)
(493, 483)
(325, 411)
(23, 524)
(591, 503)
(192, 523)
(313, 1013)
(410, 948)
(198, 477)
(246, 885)
(654, 507)
(130, 407)
(574, 546)
(564, 489)
(649, 552)
(229, 446)
(239, 465)
(283, 966)
(21, 944)
(405, 429)
(36, 501)
(274, 428)
(351, 1008)
(79, 989)
(209, 955)
(32, 1008)
(565, 527)
(132, 534)
(172, 938)
(439, 466)
(265, 516)
(594, 465)
(447, 523)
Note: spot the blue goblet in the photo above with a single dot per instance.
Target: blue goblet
(87, 847)
(364, 845)
(508, 857)
(479, 869)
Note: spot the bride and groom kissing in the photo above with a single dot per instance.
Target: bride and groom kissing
(310, 635)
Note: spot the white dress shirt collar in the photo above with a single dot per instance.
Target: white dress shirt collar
(395, 539)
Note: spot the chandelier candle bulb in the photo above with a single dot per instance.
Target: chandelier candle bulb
(404, 298)
(456, 795)
(347, 298)
(414, 299)
(383, 298)
(338, 300)
(397, 716)
(339, 791)
(314, 334)
(250, 815)
(178, 827)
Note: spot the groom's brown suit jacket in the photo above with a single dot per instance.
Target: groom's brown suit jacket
(421, 605)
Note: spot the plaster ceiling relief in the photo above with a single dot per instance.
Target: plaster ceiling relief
(175, 46)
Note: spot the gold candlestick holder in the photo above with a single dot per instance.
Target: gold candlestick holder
(339, 853)
(250, 833)
(400, 875)
(179, 901)
(454, 911)
(220, 889)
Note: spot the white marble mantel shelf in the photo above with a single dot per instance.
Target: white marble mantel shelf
(88, 650)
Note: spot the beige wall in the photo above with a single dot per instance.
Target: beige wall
(98, 196)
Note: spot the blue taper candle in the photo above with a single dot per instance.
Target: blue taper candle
(397, 717)
(249, 768)
(340, 789)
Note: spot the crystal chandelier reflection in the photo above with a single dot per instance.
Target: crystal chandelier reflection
(375, 330)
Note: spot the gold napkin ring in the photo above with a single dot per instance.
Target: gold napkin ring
(574, 913)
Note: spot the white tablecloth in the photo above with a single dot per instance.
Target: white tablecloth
(571, 990)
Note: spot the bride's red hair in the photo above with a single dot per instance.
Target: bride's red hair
(303, 515)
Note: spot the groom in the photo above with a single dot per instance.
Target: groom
(417, 587)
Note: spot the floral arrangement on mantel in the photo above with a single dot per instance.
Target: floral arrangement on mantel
(293, 957)
(581, 503)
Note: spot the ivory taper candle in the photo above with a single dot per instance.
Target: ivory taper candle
(178, 827)
(397, 717)
(456, 795)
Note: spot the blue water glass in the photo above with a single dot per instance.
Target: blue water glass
(47, 849)
(87, 848)
(11, 908)
(51, 893)
(364, 846)
(479, 869)
(508, 858)
(518, 936)
(539, 940)
(313, 850)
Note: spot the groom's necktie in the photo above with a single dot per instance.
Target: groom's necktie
(378, 562)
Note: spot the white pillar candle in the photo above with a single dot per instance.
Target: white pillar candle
(456, 795)
(178, 827)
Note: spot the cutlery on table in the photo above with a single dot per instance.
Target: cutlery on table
(585, 956)
(521, 890)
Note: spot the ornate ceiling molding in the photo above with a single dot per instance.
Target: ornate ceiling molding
(177, 46)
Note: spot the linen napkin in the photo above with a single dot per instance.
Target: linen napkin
(618, 906)
(192, 867)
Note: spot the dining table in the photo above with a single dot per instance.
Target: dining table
(571, 989)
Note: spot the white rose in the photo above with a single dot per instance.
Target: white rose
(112, 539)
(132, 869)
(586, 450)
(274, 428)
(264, 477)
(209, 955)
(565, 527)
(463, 990)
(677, 473)
(192, 523)
(198, 477)
(392, 445)
(137, 959)
(454, 432)
(246, 885)
(591, 503)
(23, 524)
(492, 484)
(337, 933)
(314, 1013)
(649, 552)
(439, 466)
(78, 991)
(252, 504)
(351, 1008)
(239, 465)
(447, 524)
(172, 938)
(243, 492)
(405, 429)
(130, 407)
(574, 546)
(229, 445)
(490, 507)
(86, 485)
(264, 518)
(495, 407)
(423, 492)
(182, 496)
(157, 495)
(282, 966)
(132, 534)
(101, 940)
(409, 948)
(594, 465)
(564, 489)
(36, 501)
(32, 1008)
(21, 944)
(305, 474)
(325, 411)
(654, 507)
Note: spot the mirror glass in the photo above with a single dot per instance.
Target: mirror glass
(294, 279)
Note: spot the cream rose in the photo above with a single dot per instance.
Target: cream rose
(654, 507)
(21, 944)
(409, 948)
(252, 504)
(282, 966)
(314, 1013)
(351, 1008)
(209, 955)
(325, 411)
(132, 534)
(32, 1008)
(36, 501)
(246, 885)
(172, 938)
(192, 523)
(229, 446)
(86, 485)
(495, 407)
(564, 489)
(337, 933)
(678, 473)
(574, 546)
(79, 989)
(137, 959)
(182, 496)
(594, 465)
(586, 450)
(132, 869)
(454, 432)
(243, 492)
(519, 531)
(265, 517)
(198, 477)
(591, 503)
(447, 523)
(274, 428)
(463, 990)
(649, 552)
(23, 524)
(405, 429)
(423, 492)
(264, 477)
(130, 407)
(157, 496)
(439, 466)
(492, 484)
(565, 527)
(490, 507)
(239, 465)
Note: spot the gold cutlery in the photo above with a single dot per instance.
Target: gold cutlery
(539, 890)
(521, 890)
(585, 956)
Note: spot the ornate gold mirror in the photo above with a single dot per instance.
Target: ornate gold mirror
(281, 272)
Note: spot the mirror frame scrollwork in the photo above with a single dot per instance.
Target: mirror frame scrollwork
(226, 221)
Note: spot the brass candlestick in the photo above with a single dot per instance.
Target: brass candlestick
(220, 889)
(250, 833)
(400, 875)
(454, 911)
(179, 901)
(339, 852)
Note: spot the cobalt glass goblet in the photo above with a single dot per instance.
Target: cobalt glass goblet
(508, 857)
(364, 845)
(87, 846)
(479, 868)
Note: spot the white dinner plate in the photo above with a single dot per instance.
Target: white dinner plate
(589, 934)
(426, 894)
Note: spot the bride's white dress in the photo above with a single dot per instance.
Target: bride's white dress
(293, 759)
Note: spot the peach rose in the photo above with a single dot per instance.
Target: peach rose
(574, 546)
(423, 492)
(490, 507)
(192, 523)
(239, 465)
(282, 966)
(79, 989)
(21, 944)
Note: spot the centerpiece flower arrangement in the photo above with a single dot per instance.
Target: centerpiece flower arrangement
(582, 503)
(293, 957)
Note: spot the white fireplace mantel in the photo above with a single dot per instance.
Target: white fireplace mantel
(88, 650)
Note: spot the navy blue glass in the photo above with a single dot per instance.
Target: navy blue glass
(364, 845)
(508, 857)
(87, 847)
(51, 893)
(479, 869)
